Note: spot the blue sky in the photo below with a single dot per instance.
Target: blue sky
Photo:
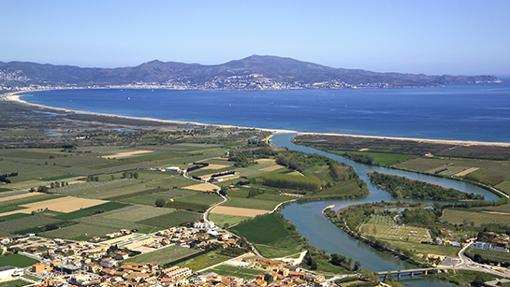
(435, 37)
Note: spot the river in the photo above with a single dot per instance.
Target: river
(321, 233)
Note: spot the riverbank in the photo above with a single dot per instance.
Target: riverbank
(16, 97)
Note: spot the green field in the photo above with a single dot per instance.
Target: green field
(492, 256)
(204, 260)
(224, 220)
(92, 210)
(177, 198)
(415, 248)
(257, 198)
(381, 158)
(172, 219)
(395, 232)
(16, 260)
(15, 283)
(164, 256)
(80, 231)
(228, 270)
(491, 172)
(270, 234)
(26, 223)
(135, 213)
(473, 217)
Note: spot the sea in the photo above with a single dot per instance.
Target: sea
(478, 112)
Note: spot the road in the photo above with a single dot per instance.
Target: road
(467, 264)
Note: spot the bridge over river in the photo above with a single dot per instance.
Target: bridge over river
(409, 273)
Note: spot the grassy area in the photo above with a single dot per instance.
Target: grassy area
(464, 278)
(92, 210)
(79, 231)
(474, 217)
(15, 283)
(257, 198)
(136, 213)
(381, 158)
(172, 219)
(226, 220)
(164, 256)
(228, 270)
(414, 248)
(491, 172)
(22, 224)
(16, 260)
(490, 256)
(204, 260)
(272, 236)
(396, 232)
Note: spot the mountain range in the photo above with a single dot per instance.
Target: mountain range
(254, 72)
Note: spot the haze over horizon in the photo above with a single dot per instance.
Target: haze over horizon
(439, 37)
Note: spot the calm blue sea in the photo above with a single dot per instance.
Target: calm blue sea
(473, 112)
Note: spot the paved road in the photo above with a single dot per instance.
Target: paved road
(467, 264)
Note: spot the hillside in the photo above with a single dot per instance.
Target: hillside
(254, 72)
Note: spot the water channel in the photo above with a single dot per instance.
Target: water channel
(321, 233)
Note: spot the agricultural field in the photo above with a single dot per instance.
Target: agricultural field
(271, 235)
(474, 217)
(79, 231)
(256, 198)
(20, 225)
(492, 172)
(16, 260)
(226, 220)
(396, 232)
(238, 211)
(163, 256)
(171, 219)
(15, 283)
(204, 260)
(177, 198)
(490, 256)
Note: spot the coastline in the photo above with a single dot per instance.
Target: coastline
(16, 97)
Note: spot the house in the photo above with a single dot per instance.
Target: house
(108, 262)
(41, 267)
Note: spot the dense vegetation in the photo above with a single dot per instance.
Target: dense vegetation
(295, 182)
(401, 187)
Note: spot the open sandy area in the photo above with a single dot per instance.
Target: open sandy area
(215, 166)
(126, 154)
(204, 187)
(237, 211)
(467, 171)
(62, 204)
(141, 245)
(121, 239)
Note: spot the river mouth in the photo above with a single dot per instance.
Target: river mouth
(321, 233)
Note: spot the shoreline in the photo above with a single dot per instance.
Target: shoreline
(16, 97)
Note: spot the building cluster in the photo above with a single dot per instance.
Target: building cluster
(82, 263)
(493, 242)
(201, 236)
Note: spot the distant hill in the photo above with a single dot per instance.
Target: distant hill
(254, 72)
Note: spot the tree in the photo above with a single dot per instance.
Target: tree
(160, 202)
(357, 266)
(337, 259)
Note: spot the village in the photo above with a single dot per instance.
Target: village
(106, 263)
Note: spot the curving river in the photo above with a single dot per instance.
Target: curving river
(321, 233)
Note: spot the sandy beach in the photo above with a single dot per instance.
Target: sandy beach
(17, 98)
